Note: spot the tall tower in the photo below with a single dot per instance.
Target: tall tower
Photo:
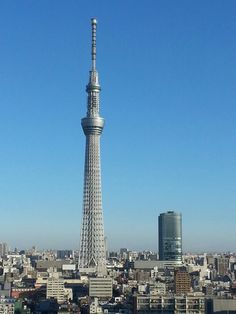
(170, 236)
(92, 244)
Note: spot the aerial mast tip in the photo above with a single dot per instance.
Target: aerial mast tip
(94, 30)
(94, 20)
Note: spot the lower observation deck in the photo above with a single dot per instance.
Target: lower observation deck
(92, 125)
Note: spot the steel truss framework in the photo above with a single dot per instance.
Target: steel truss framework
(92, 243)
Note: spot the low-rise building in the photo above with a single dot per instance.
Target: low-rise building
(100, 287)
(192, 303)
(7, 306)
(182, 281)
(57, 290)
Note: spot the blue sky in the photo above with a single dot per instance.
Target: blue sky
(167, 70)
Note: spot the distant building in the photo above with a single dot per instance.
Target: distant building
(222, 306)
(143, 276)
(211, 260)
(170, 236)
(56, 289)
(3, 249)
(158, 288)
(100, 287)
(149, 265)
(44, 265)
(21, 292)
(64, 254)
(7, 305)
(193, 303)
(222, 265)
(94, 307)
(124, 253)
(182, 281)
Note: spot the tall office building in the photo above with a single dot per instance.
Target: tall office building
(92, 244)
(222, 265)
(170, 236)
(3, 249)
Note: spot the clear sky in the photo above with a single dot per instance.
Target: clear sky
(168, 75)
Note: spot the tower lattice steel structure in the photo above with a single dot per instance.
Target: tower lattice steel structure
(92, 244)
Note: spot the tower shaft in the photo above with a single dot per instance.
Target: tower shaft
(92, 243)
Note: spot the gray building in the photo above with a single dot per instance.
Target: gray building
(65, 254)
(100, 287)
(170, 236)
(3, 249)
(192, 303)
(222, 306)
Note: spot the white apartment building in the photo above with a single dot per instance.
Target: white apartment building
(56, 288)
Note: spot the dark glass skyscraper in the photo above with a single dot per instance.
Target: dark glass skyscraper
(170, 236)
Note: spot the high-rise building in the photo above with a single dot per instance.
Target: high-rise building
(222, 265)
(92, 244)
(170, 236)
(3, 249)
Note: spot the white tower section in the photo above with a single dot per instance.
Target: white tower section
(92, 244)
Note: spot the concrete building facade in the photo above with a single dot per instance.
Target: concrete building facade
(182, 281)
(192, 303)
(100, 287)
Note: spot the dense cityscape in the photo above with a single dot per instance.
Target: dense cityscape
(34, 281)
(93, 280)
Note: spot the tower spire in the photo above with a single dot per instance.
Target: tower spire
(94, 35)
(93, 88)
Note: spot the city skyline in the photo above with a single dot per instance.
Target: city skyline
(168, 78)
